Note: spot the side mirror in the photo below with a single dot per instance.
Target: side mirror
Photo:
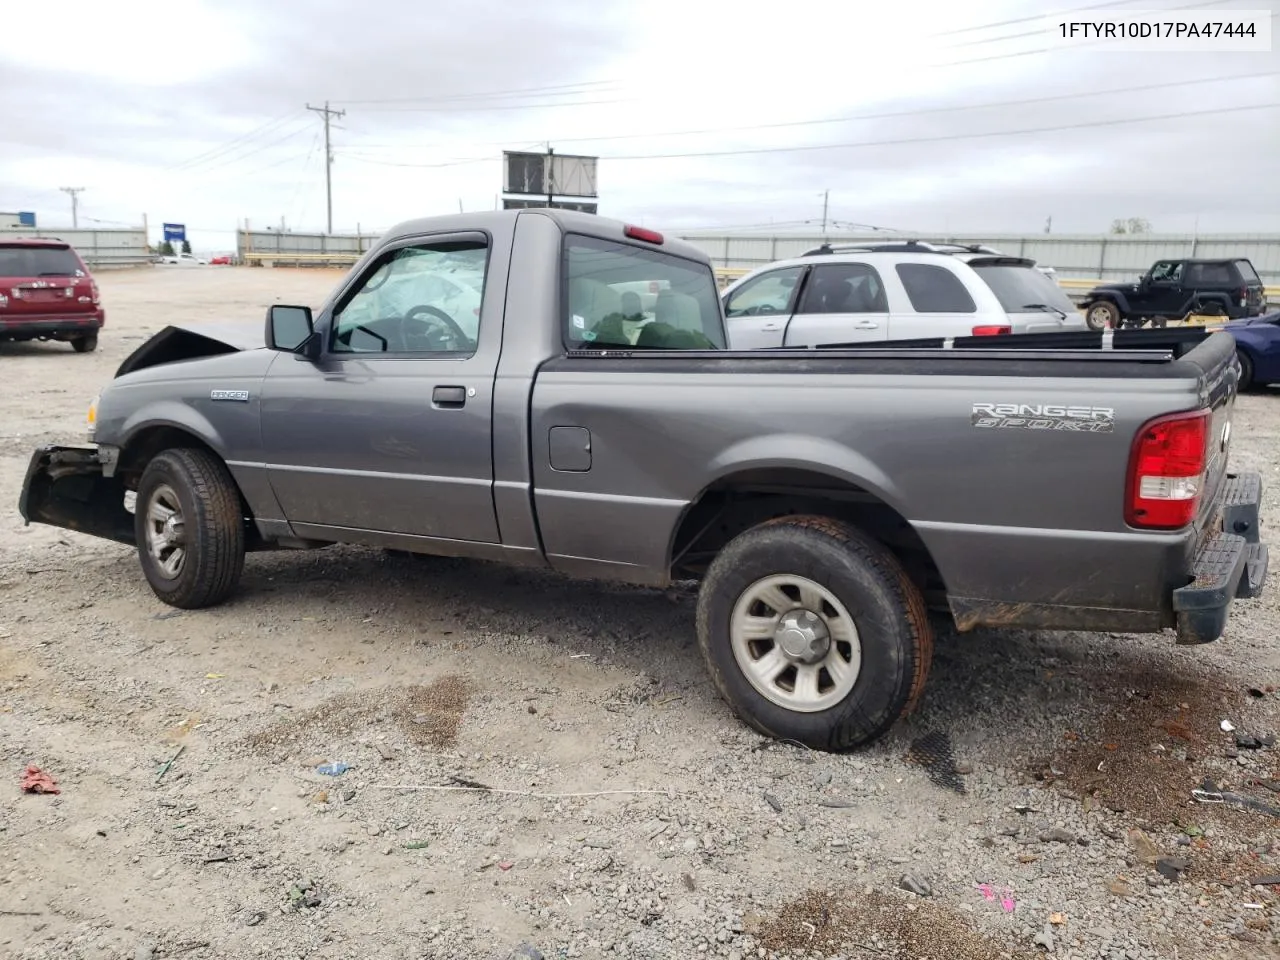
(289, 328)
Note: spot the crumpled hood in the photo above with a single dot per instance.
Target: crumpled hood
(191, 341)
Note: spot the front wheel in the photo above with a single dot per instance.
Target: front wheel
(1246, 371)
(1101, 315)
(190, 528)
(812, 632)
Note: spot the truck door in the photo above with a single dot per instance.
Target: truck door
(390, 430)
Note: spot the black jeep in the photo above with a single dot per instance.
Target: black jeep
(1175, 289)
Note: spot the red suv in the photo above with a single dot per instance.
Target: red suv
(46, 293)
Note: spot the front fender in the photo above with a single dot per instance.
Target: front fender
(175, 414)
(1115, 296)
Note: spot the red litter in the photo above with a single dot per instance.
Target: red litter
(36, 780)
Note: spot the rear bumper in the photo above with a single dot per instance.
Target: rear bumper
(65, 487)
(1230, 564)
(61, 325)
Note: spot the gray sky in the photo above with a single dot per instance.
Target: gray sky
(193, 112)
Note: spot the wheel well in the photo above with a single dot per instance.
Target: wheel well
(743, 500)
(144, 446)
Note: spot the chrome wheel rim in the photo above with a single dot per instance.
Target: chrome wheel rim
(166, 532)
(1099, 316)
(795, 643)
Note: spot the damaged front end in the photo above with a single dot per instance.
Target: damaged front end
(67, 487)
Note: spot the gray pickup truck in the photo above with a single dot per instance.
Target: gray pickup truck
(552, 389)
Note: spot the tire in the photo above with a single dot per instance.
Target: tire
(86, 344)
(1159, 323)
(832, 560)
(1246, 371)
(198, 485)
(1102, 314)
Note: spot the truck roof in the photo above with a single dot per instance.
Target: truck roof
(569, 221)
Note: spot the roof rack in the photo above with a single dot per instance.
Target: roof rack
(918, 246)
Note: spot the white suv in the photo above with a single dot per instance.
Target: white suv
(893, 291)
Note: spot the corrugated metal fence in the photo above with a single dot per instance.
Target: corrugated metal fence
(1081, 256)
(100, 249)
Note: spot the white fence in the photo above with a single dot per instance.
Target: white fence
(1073, 256)
(100, 249)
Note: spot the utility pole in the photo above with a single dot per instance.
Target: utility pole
(328, 156)
(551, 177)
(73, 191)
(1048, 225)
(825, 196)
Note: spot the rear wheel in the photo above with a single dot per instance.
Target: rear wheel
(85, 344)
(190, 528)
(1101, 315)
(813, 632)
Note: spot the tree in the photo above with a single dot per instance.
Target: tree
(166, 249)
(186, 246)
(1131, 225)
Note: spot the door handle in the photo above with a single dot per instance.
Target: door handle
(866, 325)
(771, 326)
(452, 397)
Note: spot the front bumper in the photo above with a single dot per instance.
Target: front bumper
(65, 487)
(1230, 563)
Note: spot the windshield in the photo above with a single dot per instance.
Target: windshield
(25, 261)
(1017, 288)
(620, 295)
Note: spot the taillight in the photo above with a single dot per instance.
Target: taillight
(1166, 471)
(991, 331)
(93, 292)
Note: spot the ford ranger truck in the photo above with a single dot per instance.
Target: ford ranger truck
(583, 415)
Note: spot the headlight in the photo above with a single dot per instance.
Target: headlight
(91, 417)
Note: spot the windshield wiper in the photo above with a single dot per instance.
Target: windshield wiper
(1044, 306)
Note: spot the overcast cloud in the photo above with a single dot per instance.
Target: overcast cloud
(193, 112)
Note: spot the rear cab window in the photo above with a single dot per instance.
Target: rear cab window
(1023, 289)
(619, 295)
(27, 260)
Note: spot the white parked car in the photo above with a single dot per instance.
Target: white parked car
(184, 258)
(893, 291)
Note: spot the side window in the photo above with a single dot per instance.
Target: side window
(844, 288)
(419, 299)
(1167, 271)
(934, 289)
(768, 293)
(1196, 274)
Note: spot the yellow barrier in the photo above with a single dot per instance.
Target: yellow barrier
(270, 258)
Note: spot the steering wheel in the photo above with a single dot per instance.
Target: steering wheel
(451, 338)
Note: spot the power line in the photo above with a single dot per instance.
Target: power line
(224, 161)
(328, 115)
(886, 115)
(949, 137)
(1043, 16)
(565, 89)
(214, 152)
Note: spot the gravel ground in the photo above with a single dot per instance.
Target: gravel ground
(1021, 812)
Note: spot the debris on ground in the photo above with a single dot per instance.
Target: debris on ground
(35, 780)
(334, 769)
(933, 751)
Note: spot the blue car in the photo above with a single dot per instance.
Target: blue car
(1258, 345)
